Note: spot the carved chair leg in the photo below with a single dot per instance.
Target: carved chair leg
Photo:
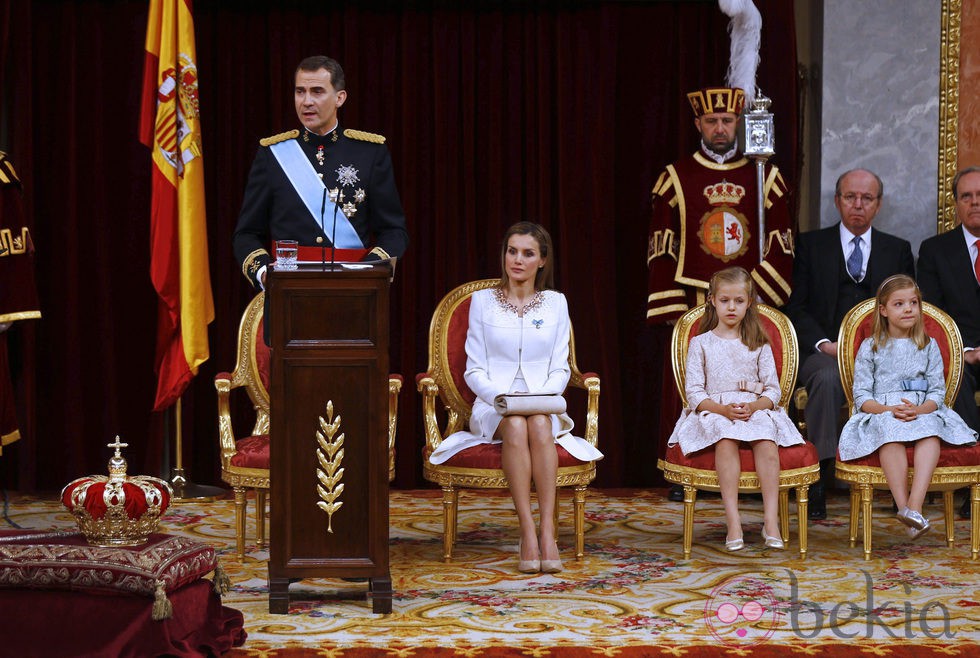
(784, 514)
(449, 502)
(240, 503)
(690, 495)
(802, 505)
(948, 516)
(579, 504)
(867, 497)
(974, 521)
(855, 503)
(260, 518)
(557, 504)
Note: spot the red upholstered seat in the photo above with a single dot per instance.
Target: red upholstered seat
(488, 455)
(949, 455)
(252, 452)
(791, 457)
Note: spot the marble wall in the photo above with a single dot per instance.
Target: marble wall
(881, 107)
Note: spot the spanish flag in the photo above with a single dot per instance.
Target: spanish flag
(170, 124)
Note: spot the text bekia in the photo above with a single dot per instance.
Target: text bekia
(916, 622)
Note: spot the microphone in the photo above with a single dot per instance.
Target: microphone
(333, 234)
(323, 209)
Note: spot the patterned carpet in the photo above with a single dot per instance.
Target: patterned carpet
(631, 596)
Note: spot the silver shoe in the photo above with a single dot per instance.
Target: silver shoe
(913, 519)
(915, 533)
(734, 544)
(772, 542)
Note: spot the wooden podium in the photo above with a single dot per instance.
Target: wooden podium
(329, 428)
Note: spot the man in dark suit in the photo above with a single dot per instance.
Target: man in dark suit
(949, 276)
(834, 269)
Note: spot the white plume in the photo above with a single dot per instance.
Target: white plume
(745, 30)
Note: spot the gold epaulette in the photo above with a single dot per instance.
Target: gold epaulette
(281, 137)
(8, 176)
(364, 136)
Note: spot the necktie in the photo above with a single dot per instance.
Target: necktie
(855, 260)
(976, 261)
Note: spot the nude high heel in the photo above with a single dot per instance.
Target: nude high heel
(527, 566)
(551, 566)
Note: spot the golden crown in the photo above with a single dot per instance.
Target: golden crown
(724, 193)
(117, 510)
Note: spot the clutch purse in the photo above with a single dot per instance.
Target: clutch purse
(528, 404)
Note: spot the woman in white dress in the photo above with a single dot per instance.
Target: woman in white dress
(517, 342)
(732, 391)
(899, 398)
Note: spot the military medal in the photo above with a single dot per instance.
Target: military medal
(319, 154)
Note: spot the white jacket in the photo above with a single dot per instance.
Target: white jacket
(499, 343)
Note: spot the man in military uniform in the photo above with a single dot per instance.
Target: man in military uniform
(18, 294)
(705, 218)
(304, 183)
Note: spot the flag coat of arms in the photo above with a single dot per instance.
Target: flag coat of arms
(170, 125)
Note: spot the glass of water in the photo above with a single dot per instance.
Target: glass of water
(286, 254)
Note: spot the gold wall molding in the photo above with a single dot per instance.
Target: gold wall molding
(949, 103)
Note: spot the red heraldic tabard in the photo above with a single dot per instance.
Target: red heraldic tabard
(705, 219)
(18, 293)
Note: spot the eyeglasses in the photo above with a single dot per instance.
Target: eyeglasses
(851, 198)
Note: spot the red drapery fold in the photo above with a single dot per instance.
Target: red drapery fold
(562, 114)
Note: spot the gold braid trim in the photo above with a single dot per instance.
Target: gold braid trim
(8, 174)
(281, 137)
(250, 265)
(381, 253)
(364, 136)
(20, 315)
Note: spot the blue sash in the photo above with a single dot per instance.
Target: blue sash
(309, 187)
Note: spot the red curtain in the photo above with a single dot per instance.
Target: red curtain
(562, 113)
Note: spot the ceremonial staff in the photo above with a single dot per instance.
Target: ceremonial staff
(759, 146)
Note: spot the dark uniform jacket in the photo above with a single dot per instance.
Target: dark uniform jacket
(354, 164)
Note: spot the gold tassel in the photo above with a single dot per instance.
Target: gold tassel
(162, 608)
(222, 583)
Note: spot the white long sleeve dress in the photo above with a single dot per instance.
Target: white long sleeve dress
(506, 353)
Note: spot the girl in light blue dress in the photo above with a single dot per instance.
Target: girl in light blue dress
(899, 394)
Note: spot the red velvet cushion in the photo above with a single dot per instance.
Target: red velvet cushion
(487, 455)
(69, 562)
(459, 323)
(65, 623)
(949, 455)
(790, 457)
(252, 452)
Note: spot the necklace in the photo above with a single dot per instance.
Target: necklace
(535, 301)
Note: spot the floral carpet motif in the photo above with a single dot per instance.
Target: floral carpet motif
(632, 595)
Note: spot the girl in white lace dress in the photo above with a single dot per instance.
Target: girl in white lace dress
(899, 393)
(732, 391)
